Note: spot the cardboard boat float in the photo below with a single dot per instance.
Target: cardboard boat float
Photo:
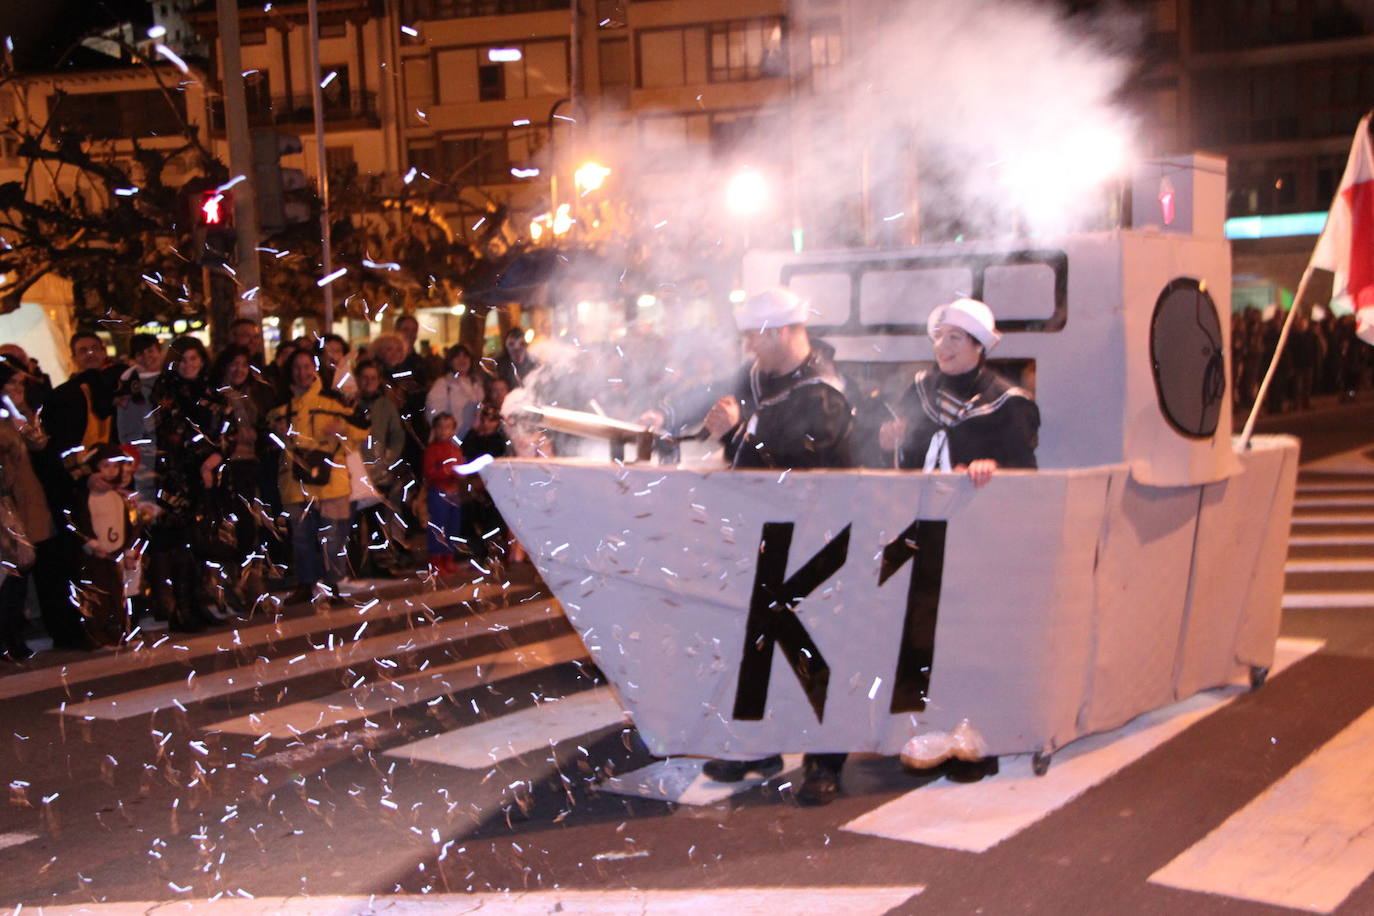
(741, 613)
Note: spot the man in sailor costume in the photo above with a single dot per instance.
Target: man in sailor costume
(785, 413)
(962, 416)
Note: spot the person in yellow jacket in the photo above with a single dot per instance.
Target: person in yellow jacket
(317, 428)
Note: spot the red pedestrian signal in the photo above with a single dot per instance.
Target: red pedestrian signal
(216, 209)
(213, 236)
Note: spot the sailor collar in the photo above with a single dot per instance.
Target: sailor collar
(940, 398)
(807, 373)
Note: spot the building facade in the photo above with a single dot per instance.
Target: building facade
(491, 96)
(496, 103)
(125, 112)
(1276, 86)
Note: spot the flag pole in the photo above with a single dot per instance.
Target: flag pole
(1274, 363)
(1358, 168)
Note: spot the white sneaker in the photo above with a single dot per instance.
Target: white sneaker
(352, 586)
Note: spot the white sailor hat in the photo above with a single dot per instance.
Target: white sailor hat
(770, 309)
(971, 315)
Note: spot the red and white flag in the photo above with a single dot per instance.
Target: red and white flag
(1346, 245)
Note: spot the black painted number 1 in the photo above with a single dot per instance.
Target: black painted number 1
(923, 545)
(773, 621)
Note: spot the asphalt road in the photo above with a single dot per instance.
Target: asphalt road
(447, 749)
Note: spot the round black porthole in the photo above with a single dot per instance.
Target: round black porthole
(1187, 358)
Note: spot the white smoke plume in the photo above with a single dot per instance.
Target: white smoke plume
(1007, 112)
(979, 118)
(974, 118)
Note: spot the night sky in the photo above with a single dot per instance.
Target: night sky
(43, 31)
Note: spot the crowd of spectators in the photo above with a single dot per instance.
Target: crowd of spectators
(186, 487)
(1322, 357)
(177, 485)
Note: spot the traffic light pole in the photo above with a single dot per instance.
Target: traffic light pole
(317, 94)
(249, 277)
(575, 84)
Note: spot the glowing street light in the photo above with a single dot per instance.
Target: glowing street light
(746, 193)
(590, 177)
(1047, 180)
(562, 219)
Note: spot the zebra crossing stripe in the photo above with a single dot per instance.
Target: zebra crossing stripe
(478, 747)
(181, 650)
(1327, 486)
(977, 816)
(1306, 842)
(737, 901)
(381, 696)
(1340, 565)
(15, 839)
(199, 688)
(1332, 502)
(1333, 520)
(1327, 540)
(1306, 600)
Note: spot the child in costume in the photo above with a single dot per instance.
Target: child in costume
(444, 493)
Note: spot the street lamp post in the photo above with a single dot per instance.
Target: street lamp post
(321, 165)
(240, 161)
(553, 153)
(588, 177)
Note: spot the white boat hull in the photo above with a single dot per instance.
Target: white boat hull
(1069, 601)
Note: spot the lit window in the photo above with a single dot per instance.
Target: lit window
(746, 49)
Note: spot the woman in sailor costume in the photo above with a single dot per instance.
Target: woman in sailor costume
(962, 416)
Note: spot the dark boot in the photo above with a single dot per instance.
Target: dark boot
(821, 785)
(956, 770)
(735, 770)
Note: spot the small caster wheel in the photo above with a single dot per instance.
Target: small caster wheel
(1040, 762)
(1258, 676)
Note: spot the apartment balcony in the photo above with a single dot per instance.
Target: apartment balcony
(430, 10)
(351, 111)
